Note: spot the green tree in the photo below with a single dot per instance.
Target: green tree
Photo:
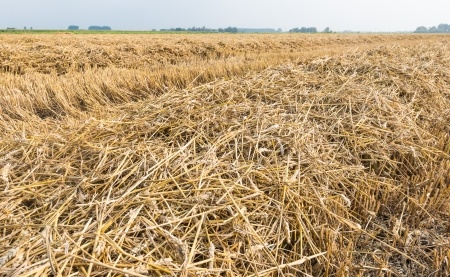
(444, 28)
(433, 29)
(99, 28)
(421, 29)
(228, 30)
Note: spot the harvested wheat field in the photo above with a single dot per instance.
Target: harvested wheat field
(224, 155)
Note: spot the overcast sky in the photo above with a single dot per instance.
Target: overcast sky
(356, 15)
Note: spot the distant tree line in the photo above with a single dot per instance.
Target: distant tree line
(99, 28)
(220, 30)
(202, 29)
(199, 29)
(259, 30)
(228, 30)
(192, 29)
(224, 30)
(309, 30)
(92, 28)
(304, 30)
(441, 28)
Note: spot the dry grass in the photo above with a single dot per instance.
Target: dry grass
(333, 165)
(63, 75)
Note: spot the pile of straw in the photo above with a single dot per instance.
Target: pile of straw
(335, 167)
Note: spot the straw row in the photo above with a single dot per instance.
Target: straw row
(50, 76)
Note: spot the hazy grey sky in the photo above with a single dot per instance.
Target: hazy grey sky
(357, 15)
